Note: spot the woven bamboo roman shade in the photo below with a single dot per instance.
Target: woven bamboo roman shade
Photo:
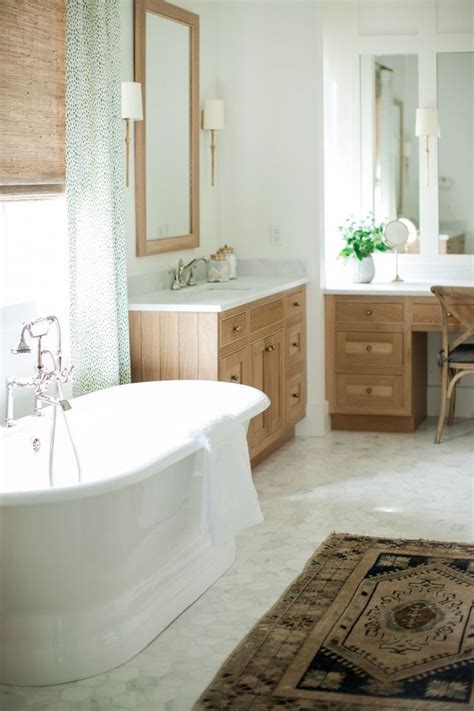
(32, 106)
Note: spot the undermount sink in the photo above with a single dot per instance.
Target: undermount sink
(228, 288)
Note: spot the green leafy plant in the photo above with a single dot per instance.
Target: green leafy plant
(362, 237)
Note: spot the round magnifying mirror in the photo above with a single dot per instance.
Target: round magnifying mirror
(396, 235)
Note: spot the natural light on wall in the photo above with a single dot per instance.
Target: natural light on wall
(33, 252)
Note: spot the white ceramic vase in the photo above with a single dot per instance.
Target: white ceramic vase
(363, 271)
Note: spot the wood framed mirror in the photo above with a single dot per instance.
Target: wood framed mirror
(167, 140)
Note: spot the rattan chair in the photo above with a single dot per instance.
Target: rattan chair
(456, 358)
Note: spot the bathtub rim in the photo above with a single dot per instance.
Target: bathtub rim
(175, 453)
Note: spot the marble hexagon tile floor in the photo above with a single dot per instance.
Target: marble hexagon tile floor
(395, 485)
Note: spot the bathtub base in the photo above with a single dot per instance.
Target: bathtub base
(137, 618)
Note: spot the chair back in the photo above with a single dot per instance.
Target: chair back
(453, 301)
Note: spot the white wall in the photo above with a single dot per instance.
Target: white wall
(208, 88)
(269, 154)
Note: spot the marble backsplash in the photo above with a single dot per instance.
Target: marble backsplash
(146, 283)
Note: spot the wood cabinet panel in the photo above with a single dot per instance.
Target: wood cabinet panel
(234, 368)
(295, 398)
(369, 312)
(361, 348)
(295, 344)
(370, 392)
(233, 329)
(266, 315)
(151, 346)
(295, 303)
(267, 374)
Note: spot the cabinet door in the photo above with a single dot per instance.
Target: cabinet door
(267, 374)
(234, 367)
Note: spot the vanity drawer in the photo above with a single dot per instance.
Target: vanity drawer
(355, 348)
(295, 344)
(369, 392)
(233, 329)
(296, 398)
(369, 312)
(266, 315)
(295, 303)
(234, 368)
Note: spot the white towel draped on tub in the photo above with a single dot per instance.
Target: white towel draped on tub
(229, 499)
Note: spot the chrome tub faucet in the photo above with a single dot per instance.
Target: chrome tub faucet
(42, 376)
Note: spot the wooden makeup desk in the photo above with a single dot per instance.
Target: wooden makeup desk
(376, 354)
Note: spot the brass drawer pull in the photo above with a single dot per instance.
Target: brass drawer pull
(296, 304)
(369, 312)
(237, 329)
(270, 349)
(234, 378)
(369, 390)
(449, 314)
(369, 348)
(295, 395)
(295, 344)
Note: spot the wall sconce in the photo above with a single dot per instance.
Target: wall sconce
(213, 119)
(132, 110)
(427, 125)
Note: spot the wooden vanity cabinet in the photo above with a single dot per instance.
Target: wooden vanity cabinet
(262, 344)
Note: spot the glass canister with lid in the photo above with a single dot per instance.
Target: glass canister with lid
(229, 254)
(218, 268)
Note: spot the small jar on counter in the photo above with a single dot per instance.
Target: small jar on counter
(218, 268)
(229, 254)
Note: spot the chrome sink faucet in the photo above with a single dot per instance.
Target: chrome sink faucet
(42, 377)
(184, 274)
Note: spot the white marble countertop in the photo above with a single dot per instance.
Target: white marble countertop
(215, 297)
(404, 288)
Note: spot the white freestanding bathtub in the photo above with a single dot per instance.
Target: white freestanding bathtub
(91, 571)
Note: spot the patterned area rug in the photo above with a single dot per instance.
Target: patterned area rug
(371, 624)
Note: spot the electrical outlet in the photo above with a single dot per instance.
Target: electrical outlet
(275, 236)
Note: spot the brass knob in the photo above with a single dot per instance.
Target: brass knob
(295, 344)
(369, 390)
(369, 312)
(234, 377)
(296, 304)
(296, 395)
(369, 348)
(449, 314)
(270, 349)
(237, 329)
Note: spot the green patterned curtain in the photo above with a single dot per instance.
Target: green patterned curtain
(95, 198)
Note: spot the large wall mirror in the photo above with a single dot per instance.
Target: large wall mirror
(390, 148)
(167, 141)
(456, 152)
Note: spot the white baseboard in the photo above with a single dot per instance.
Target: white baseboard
(464, 401)
(316, 423)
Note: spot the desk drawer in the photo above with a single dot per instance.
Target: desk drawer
(233, 329)
(430, 314)
(355, 348)
(369, 312)
(369, 392)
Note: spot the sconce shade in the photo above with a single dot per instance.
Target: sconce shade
(213, 115)
(132, 100)
(427, 123)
